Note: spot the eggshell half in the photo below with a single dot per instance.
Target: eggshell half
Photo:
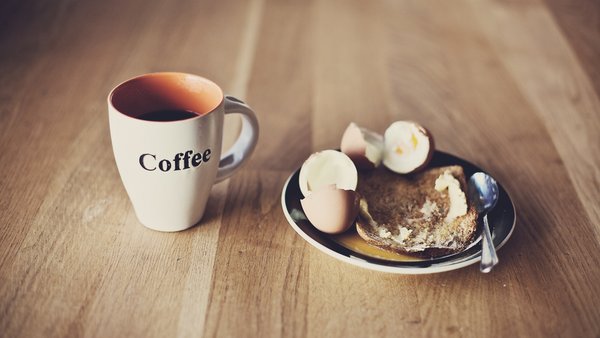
(327, 167)
(331, 210)
(408, 147)
(364, 147)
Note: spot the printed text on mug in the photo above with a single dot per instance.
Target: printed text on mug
(181, 161)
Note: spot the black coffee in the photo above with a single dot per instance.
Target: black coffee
(167, 115)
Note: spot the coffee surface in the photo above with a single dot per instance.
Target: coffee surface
(165, 115)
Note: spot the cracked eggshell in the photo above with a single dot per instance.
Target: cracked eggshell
(408, 147)
(327, 167)
(363, 146)
(331, 210)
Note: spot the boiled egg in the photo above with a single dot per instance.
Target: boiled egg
(328, 182)
(408, 147)
(364, 147)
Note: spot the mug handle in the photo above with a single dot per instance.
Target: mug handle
(245, 143)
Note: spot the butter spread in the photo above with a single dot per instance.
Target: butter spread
(384, 233)
(458, 200)
(428, 208)
(403, 235)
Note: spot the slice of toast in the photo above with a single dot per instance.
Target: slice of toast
(406, 214)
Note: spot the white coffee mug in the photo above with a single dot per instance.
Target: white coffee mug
(166, 131)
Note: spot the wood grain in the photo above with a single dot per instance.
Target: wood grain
(579, 22)
(557, 87)
(261, 273)
(511, 86)
(281, 86)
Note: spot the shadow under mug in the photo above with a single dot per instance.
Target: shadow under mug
(168, 167)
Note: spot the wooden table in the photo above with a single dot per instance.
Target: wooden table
(512, 86)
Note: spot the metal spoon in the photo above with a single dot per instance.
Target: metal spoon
(483, 194)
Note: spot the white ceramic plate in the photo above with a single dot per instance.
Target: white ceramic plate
(350, 248)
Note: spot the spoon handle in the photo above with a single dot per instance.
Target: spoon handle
(488, 252)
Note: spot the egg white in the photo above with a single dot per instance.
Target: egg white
(327, 167)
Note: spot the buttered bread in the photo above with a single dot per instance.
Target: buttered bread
(425, 214)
